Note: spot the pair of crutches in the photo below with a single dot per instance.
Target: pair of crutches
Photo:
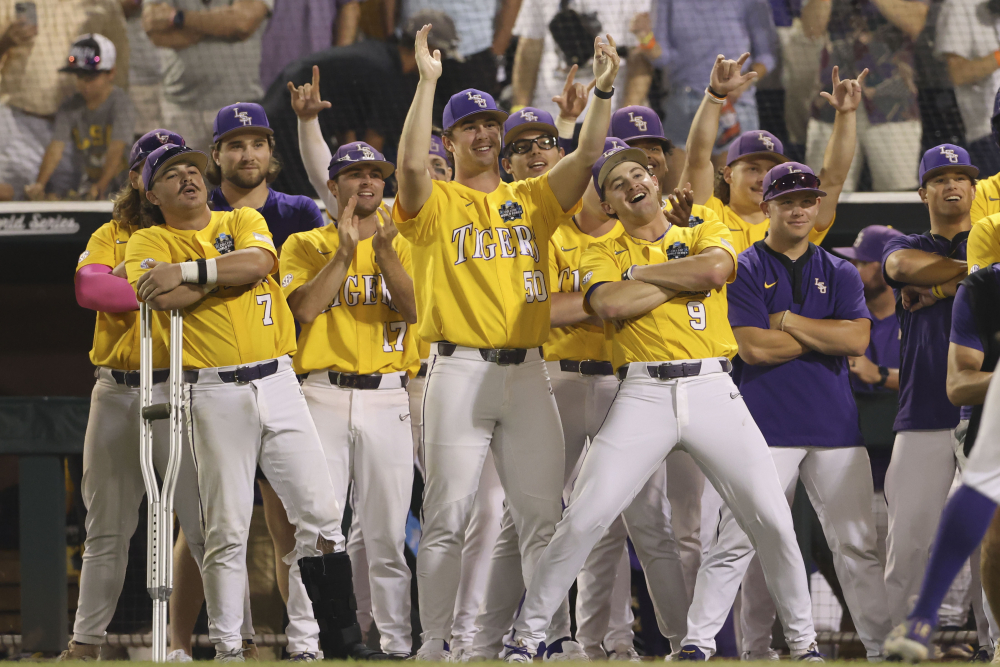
(160, 499)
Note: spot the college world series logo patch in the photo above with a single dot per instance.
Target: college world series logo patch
(677, 250)
(510, 211)
(224, 244)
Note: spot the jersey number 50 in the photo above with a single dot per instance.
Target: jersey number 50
(534, 286)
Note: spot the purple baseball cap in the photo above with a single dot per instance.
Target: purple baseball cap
(616, 151)
(149, 142)
(358, 151)
(756, 143)
(946, 157)
(468, 103)
(169, 154)
(869, 244)
(636, 122)
(528, 118)
(437, 148)
(790, 177)
(238, 117)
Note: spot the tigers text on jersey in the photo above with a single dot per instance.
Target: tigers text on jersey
(689, 326)
(581, 341)
(983, 247)
(746, 234)
(116, 336)
(987, 202)
(481, 262)
(361, 331)
(230, 325)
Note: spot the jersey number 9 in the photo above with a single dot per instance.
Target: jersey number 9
(696, 310)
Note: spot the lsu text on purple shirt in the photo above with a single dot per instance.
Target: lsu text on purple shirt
(883, 350)
(805, 402)
(284, 214)
(923, 346)
(963, 326)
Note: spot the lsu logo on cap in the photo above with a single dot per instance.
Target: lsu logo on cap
(242, 116)
(529, 116)
(766, 140)
(951, 155)
(639, 123)
(162, 137)
(367, 154)
(478, 99)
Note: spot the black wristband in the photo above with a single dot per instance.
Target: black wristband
(627, 273)
(604, 95)
(711, 91)
(884, 375)
(202, 271)
(179, 19)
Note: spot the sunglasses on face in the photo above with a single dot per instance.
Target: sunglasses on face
(799, 180)
(545, 142)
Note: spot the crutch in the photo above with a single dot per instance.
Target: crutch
(160, 501)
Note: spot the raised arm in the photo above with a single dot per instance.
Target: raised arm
(395, 275)
(415, 142)
(840, 148)
(571, 176)
(315, 152)
(966, 383)
(916, 267)
(767, 347)
(316, 295)
(708, 270)
(726, 78)
(847, 338)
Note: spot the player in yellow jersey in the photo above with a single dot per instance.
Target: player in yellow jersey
(658, 287)
(480, 258)
(987, 201)
(112, 478)
(348, 286)
(737, 192)
(243, 404)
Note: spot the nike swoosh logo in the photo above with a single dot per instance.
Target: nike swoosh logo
(734, 230)
(323, 253)
(735, 395)
(766, 286)
(619, 252)
(117, 241)
(568, 249)
(469, 204)
(993, 198)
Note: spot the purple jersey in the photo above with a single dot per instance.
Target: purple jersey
(806, 402)
(284, 214)
(963, 327)
(923, 346)
(883, 350)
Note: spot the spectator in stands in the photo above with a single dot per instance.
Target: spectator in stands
(300, 27)
(211, 59)
(967, 39)
(145, 75)
(544, 58)
(878, 369)
(31, 87)
(879, 35)
(98, 122)
(690, 38)
(477, 23)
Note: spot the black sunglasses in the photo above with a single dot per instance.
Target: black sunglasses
(545, 142)
(797, 180)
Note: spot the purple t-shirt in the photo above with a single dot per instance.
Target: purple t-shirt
(296, 29)
(883, 350)
(805, 402)
(963, 328)
(923, 344)
(284, 214)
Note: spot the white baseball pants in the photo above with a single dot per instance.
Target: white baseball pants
(916, 489)
(471, 407)
(705, 416)
(233, 427)
(113, 490)
(685, 487)
(839, 484)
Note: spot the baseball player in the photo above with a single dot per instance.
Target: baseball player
(675, 392)
(243, 403)
(924, 270)
(736, 195)
(480, 251)
(797, 313)
(970, 512)
(348, 286)
(987, 201)
(113, 486)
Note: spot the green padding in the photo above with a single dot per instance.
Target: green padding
(42, 425)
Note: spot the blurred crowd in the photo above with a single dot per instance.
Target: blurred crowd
(81, 79)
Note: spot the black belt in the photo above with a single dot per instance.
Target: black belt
(587, 367)
(423, 370)
(350, 381)
(131, 378)
(501, 357)
(241, 375)
(673, 371)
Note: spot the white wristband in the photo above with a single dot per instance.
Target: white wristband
(213, 272)
(565, 127)
(189, 272)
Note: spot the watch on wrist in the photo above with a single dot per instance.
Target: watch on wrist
(883, 376)
(179, 19)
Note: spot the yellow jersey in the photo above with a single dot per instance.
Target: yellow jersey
(480, 262)
(581, 341)
(230, 326)
(692, 325)
(745, 234)
(983, 245)
(361, 331)
(987, 200)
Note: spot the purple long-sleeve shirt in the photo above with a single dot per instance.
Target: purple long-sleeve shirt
(693, 32)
